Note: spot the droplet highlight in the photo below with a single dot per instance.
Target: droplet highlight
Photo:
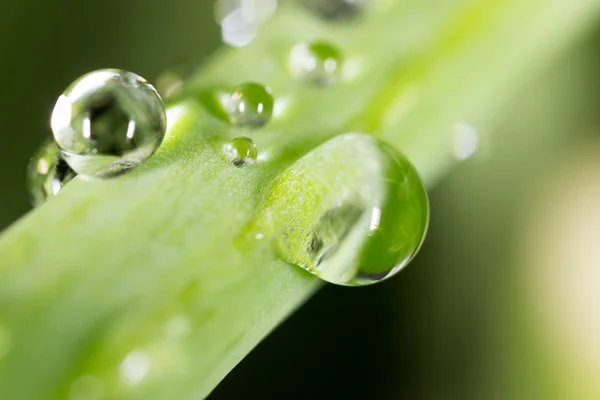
(241, 151)
(108, 122)
(353, 211)
(317, 62)
(250, 105)
(47, 173)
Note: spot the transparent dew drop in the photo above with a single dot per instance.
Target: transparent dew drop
(241, 151)
(336, 10)
(250, 105)
(108, 122)
(353, 211)
(317, 62)
(47, 173)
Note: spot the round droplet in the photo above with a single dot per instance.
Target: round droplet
(353, 211)
(316, 62)
(338, 10)
(241, 151)
(250, 105)
(108, 122)
(47, 173)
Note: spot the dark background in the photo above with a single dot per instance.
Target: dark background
(469, 318)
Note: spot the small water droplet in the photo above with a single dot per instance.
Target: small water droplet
(134, 368)
(241, 151)
(250, 105)
(353, 211)
(47, 173)
(86, 387)
(5, 342)
(108, 122)
(336, 10)
(317, 62)
(465, 141)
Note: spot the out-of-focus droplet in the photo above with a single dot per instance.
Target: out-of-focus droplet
(108, 122)
(353, 211)
(317, 62)
(250, 105)
(86, 387)
(465, 141)
(47, 173)
(134, 368)
(241, 19)
(339, 10)
(241, 151)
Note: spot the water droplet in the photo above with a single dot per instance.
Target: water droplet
(251, 105)
(241, 151)
(353, 211)
(47, 173)
(339, 10)
(317, 62)
(134, 368)
(86, 387)
(108, 122)
(465, 141)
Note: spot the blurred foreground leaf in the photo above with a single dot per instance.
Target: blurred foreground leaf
(133, 288)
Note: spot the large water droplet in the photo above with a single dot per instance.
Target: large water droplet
(353, 211)
(47, 173)
(241, 151)
(317, 62)
(251, 105)
(108, 122)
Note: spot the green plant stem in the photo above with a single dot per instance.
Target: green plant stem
(134, 287)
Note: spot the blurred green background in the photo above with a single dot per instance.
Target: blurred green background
(504, 299)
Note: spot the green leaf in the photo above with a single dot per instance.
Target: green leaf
(133, 288)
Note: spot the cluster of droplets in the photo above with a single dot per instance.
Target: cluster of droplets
(350, 223)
